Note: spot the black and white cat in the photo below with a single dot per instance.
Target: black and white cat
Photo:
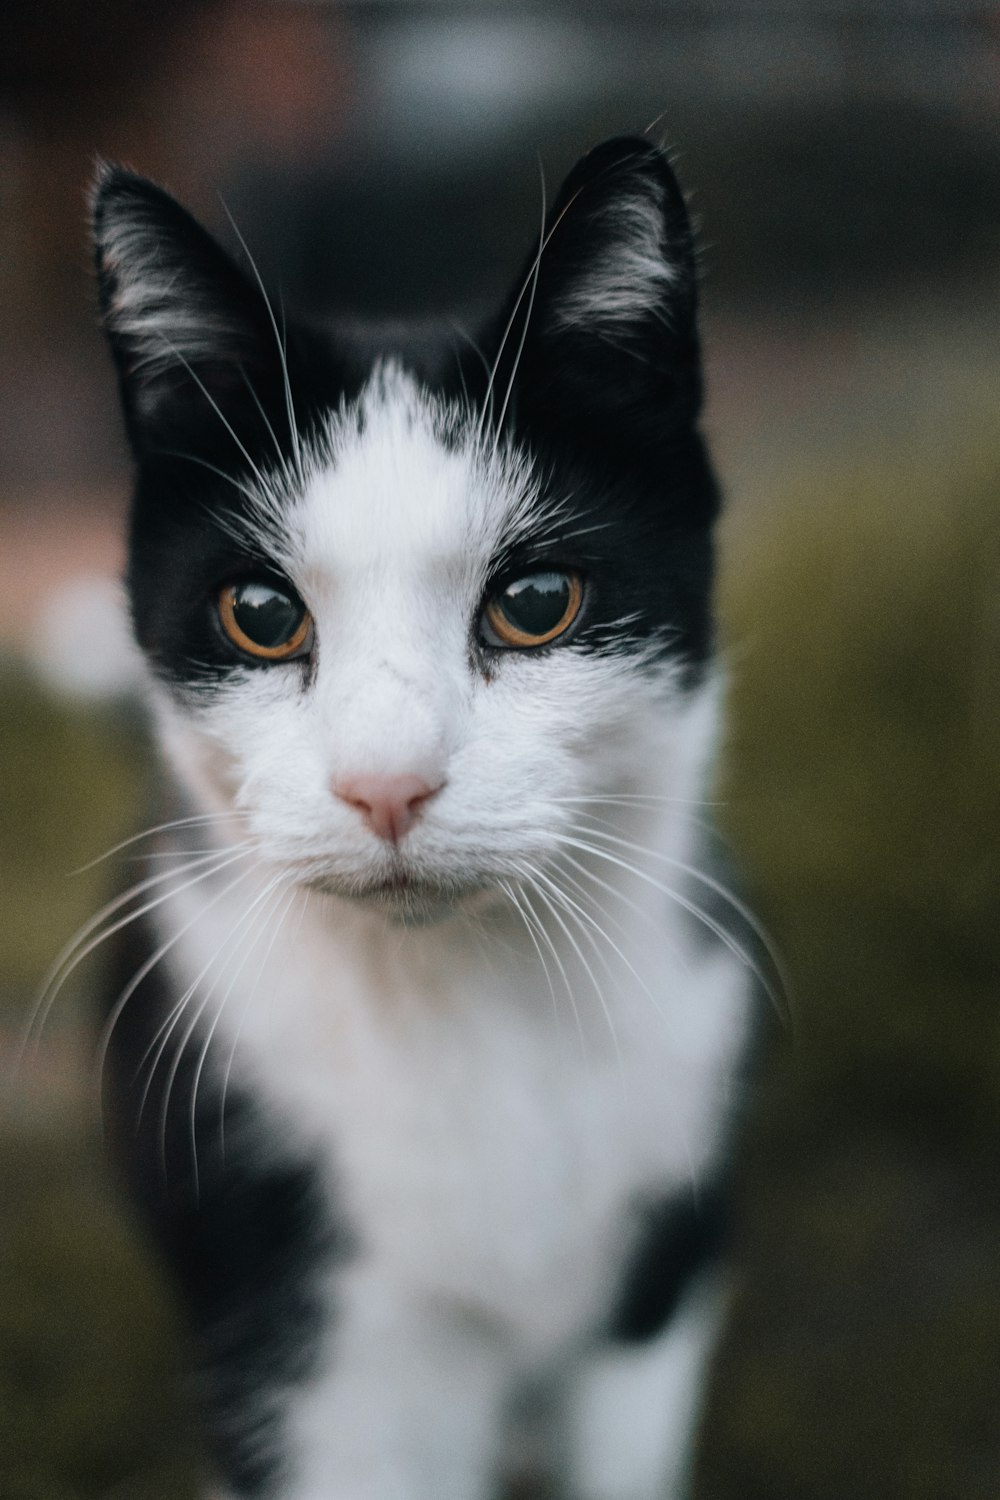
(424, 1050)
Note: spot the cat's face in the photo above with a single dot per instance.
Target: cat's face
(405, 607)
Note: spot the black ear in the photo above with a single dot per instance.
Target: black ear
(607, 308)
(198, 356)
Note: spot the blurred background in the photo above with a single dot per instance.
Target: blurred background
(843, 161)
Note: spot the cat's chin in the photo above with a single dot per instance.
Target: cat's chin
(402, 899)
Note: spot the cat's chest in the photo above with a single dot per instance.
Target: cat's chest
(484, 1131)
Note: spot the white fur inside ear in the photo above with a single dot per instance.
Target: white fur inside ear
(629, 275)
(162, 313)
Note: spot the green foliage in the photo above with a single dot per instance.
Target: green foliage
(862, 794)
(90, 1401)
(71, 784)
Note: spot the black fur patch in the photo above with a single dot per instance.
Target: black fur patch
(679, 1236)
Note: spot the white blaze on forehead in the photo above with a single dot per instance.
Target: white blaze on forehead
(401, 482)
(389, 541)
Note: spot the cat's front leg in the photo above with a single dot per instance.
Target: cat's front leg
(633, 1409)
(406, 1404)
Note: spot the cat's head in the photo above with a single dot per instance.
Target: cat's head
(407, 603)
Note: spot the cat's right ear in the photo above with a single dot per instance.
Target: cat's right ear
(198, 356)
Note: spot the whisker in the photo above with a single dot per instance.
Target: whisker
(635, 799)
(527, 317)
(274, 884)
(196, 819)
(722, 933)
(282, 461)
(546, 937)
(587, 917)
(282, 350)
(194, 458)
(216, 408)
(716, 886)
(511, 894)
(164, 1031)
(612, 890)
(531, 277)
(541, 879)
(147, 966)
(573, 910)
(463, 333)
(606, 885)
(79, 948)
(295, 891)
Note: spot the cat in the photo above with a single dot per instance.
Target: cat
(424, 1054)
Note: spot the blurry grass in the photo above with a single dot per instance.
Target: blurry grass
(90, 1368)
(863, 793)
(863, 771)
(70, 782)
(90, 1389)
(863, 620)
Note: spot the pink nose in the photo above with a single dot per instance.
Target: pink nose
(390, 805)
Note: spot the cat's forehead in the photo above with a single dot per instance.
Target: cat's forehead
(402, 476)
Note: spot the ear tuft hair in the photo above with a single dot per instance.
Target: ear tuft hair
(184, 324)
(609, 334)
(638, 256)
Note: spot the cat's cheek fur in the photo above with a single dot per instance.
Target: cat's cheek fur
(522, 748)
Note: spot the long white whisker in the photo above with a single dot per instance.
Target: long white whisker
(528, 280)
(527, 319)
(511, 894)
(560, 898)
(605, 885)
(147, 966)
(216, 408)
(540, 879)
(567, 859)
(79, 948)
(725, 937)
(161, 1037)
(583, 918)
(546, 937)
(296, 891)
(197, 819)
(282, 463)
(716, 886)
(275, 882)
(640, 799)
(193, 458)
(464, 334)
(289, 403)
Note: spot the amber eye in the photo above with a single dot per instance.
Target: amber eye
(532, 610)
(265, 620)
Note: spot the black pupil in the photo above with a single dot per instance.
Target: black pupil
(266, 615)
(536, 604)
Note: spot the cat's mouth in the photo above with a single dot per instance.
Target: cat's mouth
(407, 898)
(393, 885)
(402, 894)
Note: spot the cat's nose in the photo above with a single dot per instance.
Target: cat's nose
(390, 805)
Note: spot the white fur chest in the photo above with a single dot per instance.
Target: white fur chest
(486, 1125)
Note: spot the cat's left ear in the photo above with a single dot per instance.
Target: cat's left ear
(607, 306)
(199, 359)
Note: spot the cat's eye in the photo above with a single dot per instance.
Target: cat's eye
(533, 610)
(265, 620)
